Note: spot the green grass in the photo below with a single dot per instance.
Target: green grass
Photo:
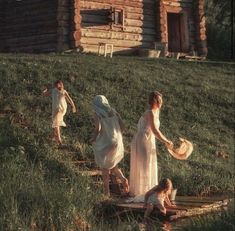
(37, 186)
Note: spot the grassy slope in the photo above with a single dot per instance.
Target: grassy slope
(198, 105)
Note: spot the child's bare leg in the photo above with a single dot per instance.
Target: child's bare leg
(105, 177)
(148, 211)
(117, 172)
(57, 135)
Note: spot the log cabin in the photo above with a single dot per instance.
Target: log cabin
(130, 25)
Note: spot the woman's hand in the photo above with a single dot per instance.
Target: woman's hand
(169, 144)
(74, 109)
(46, 91)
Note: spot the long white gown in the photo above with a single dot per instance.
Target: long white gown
(108, 146)
(143, 166)
(59, 107)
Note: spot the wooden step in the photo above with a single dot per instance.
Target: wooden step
(92, 173)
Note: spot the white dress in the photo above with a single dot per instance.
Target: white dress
(143, 166)
(59, 105)
(108, 146)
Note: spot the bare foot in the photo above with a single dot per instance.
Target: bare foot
(106, 197)
(125, 185)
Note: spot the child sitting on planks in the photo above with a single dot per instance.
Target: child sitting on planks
(59, 107)
(157, 196)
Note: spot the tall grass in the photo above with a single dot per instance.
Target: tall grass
(37, 186)
(220, 221)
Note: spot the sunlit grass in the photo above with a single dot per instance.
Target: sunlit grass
(38, 185)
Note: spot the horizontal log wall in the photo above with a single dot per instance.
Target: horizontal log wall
(2, 22)
(57, 25)
(139, 30)
(29, 26)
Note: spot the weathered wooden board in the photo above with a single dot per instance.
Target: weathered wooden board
(185, 206)
(91, 173)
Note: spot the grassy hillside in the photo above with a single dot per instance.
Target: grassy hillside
(37, 182)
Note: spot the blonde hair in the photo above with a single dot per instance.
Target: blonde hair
(165, 184)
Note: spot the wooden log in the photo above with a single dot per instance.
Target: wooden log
(91, 173)
(120, 43)
(116, 35)
(147, 5)
(139, 23)
(24, 28)
(17, 34)
(47, 47)
(85, 5)
(90, 48)
(31, 40)
(130, 29)
(27, 4)
(29, 21)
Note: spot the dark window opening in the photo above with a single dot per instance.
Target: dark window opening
(117, 18)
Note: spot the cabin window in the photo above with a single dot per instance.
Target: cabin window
(117, 18)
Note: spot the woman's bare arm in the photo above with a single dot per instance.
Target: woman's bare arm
(46, 92)
(157, 132)
(96, 129)
(168, 202)
(70, 101)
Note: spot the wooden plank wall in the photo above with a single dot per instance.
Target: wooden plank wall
(29, 26)
(139, 29)
(2, 22)
(65, 23)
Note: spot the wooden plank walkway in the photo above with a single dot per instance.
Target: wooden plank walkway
(185, 206)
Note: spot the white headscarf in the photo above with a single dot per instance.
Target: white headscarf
(101, 106)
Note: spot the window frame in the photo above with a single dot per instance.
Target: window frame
(117, 23)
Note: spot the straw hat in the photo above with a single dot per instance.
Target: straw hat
(184, 151)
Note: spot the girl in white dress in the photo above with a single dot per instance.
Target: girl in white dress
(143, 164)
(59, 108)
(107, 141)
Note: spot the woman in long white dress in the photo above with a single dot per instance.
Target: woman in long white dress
(107, 141)
(143, 166)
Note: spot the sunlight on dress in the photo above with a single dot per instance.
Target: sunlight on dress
(59, 108)
(108, 146)
(143, 166)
